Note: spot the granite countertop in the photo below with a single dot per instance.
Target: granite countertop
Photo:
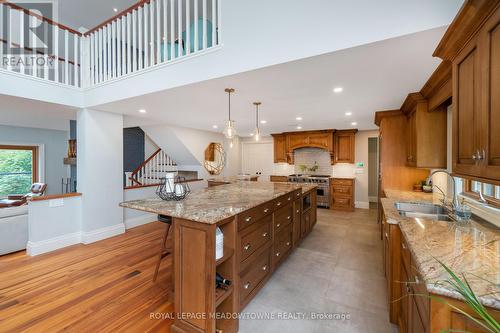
(232, 179)
(217, 203)
(343, 177)
(470, 248)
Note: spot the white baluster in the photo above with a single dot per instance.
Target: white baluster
(152, 34)
(97, 75)
(66, 56)
(134, 40)
(172, 30)
(118, 47)
(75, 65)
(140, 16)
(158, 32)
(108, 53)
(33, 45)
(113, 48)
(21, 39)
(196, 37)
(100, 55)
(188, 28)
(213, 22)
(179, 26)
(165, 30)
(46, 51)
(146, 38)
(123, 55)
(56, 53)
(204, 22)
(105, 32)
(129, 48)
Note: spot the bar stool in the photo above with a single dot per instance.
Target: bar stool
(165, 251)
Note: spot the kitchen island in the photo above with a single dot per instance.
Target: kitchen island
(261, 223)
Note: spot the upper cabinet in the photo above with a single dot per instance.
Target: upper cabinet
(279, 148)
(472, 44)
(340, 147)
(344, 141)
(426, 133)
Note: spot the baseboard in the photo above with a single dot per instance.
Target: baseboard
(102, 233)
(362, 204)
(140, 220)
(48, 245)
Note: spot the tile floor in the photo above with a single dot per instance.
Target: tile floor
(336, 269)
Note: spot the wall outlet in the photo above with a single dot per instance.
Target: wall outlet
(56, 202)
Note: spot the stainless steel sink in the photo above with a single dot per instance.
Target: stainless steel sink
(422, 208)
(435, 217)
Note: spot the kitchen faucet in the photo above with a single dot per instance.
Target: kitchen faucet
(454, 204)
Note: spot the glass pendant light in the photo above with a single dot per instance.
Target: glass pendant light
(229, 130)
(257, 129)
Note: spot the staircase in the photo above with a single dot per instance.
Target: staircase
(152, 170)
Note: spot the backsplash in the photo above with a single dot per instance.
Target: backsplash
(307, 157)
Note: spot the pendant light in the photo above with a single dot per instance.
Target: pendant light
(229, 130)
(257, 129)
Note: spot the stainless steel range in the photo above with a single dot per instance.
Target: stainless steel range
(323, 189)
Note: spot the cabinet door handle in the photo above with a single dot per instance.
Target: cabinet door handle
(248, 219)
(264, 268)
(264, 234)
(277, 254)
(247, 285)
(297, 211)
(288, 217)
(278, 203)
(287, 243)
(289, 198)
(484, 155)
(266, 210)
(386, 235)
(278, 225)
(247, 247)
(474, 157)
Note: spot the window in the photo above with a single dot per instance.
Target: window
(18, 169)
(490, 192)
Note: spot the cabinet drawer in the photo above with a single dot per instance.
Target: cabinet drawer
(342, 190)
(282, 244)
(251, 278)
(342, 182)
(255, 237)
(247, 218)
(282, 218)
(341, 201)
(284, 200)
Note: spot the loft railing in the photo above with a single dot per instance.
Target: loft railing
(24, 52)
(149, 33)
(152, 170)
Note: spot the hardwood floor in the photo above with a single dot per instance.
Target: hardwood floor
(102, 287)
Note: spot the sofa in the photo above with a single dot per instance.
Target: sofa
(13, 229)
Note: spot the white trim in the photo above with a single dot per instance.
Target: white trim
(139, 220)
(48, 245)
(362, 204)
(41, 156)
(102, 233)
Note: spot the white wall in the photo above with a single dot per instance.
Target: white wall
(53, 224)
(100, 167)
(187, 147)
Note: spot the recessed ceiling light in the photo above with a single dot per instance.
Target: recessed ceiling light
(142, 111)
(299, 127)
(215, 126)
(263, 121)
(251, 134)
(338, 89)
(115, 9)
(354, 123)
(298, 118)
(348, 113)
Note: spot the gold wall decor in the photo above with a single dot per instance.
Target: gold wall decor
(215, 158)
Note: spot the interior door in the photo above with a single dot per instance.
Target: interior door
(257, 159)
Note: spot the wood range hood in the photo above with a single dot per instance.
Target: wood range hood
(338, 143)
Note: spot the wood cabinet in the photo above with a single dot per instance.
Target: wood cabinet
(342, 194)
(472, 44)
(279, 148)
(426, 133)
(344, 143)
(281, 179)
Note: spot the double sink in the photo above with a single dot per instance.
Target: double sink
(423, 210)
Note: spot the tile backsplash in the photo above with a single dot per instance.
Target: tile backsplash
(307, 157)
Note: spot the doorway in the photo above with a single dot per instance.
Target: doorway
(257, 159)
(373, 170)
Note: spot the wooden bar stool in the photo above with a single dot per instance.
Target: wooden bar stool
(165, 251)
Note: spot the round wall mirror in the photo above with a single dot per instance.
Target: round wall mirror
(215, 158)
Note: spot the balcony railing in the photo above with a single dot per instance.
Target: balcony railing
(150, 33)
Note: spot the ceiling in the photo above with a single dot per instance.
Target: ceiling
(375, 76)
